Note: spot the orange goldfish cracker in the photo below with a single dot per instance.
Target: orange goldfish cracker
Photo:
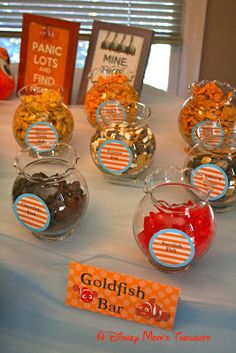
(114, 87)
(44, 107)
(208, 102)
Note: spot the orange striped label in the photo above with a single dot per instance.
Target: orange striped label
(114, 156)
(41, 136)
(217, 177)
(171, 248)
(111, 111)
(209, 132)
(32, 212)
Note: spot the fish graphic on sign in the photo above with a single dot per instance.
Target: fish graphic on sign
(85, 294)
(150, 309)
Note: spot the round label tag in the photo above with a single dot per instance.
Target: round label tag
(171, 248)
(32, 212)
(110, 111)
(217, 177)
(41, 136)
(114, 156)
(210, 132)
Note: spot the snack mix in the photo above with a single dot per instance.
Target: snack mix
(43, 107)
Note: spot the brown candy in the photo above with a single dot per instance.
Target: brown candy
(66, 201)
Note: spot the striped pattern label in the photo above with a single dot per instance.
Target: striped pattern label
(171, 248)
(209, 132)
(41, 136)
(111, 111)
(114, 156)
(32, 212)
(217, 177)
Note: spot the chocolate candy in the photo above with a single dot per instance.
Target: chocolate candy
(66, 201)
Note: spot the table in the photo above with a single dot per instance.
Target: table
(33, 273)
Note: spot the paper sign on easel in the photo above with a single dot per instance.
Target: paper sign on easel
(48, 52)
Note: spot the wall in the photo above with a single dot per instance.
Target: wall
(219, 43)
(185, 59)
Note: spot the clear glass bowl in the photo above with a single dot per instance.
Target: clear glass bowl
(49, 194)
(108, 84)
(173, 223)
(42, 118)
(123, 144)
(214, 155)
(209, 100)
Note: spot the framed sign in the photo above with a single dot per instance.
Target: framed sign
(48, 52)
(120, 46)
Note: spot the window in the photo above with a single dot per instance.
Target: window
(164, 17)
(13, 47)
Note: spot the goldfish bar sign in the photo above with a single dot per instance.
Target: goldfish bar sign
(48, 52)
(121, 296)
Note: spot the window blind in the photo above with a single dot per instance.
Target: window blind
(164, 17)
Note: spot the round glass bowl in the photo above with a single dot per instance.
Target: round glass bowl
(42, 118)
(49, 194)
(173, 224)
(123, 144)
(214, 155)
(209, 100)
(108, 84)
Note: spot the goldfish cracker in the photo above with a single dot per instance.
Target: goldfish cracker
(113, 87)
(44, 106)
(209, 100)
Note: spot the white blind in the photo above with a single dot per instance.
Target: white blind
(164, 17)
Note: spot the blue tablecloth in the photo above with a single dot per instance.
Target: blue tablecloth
(33, 273)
